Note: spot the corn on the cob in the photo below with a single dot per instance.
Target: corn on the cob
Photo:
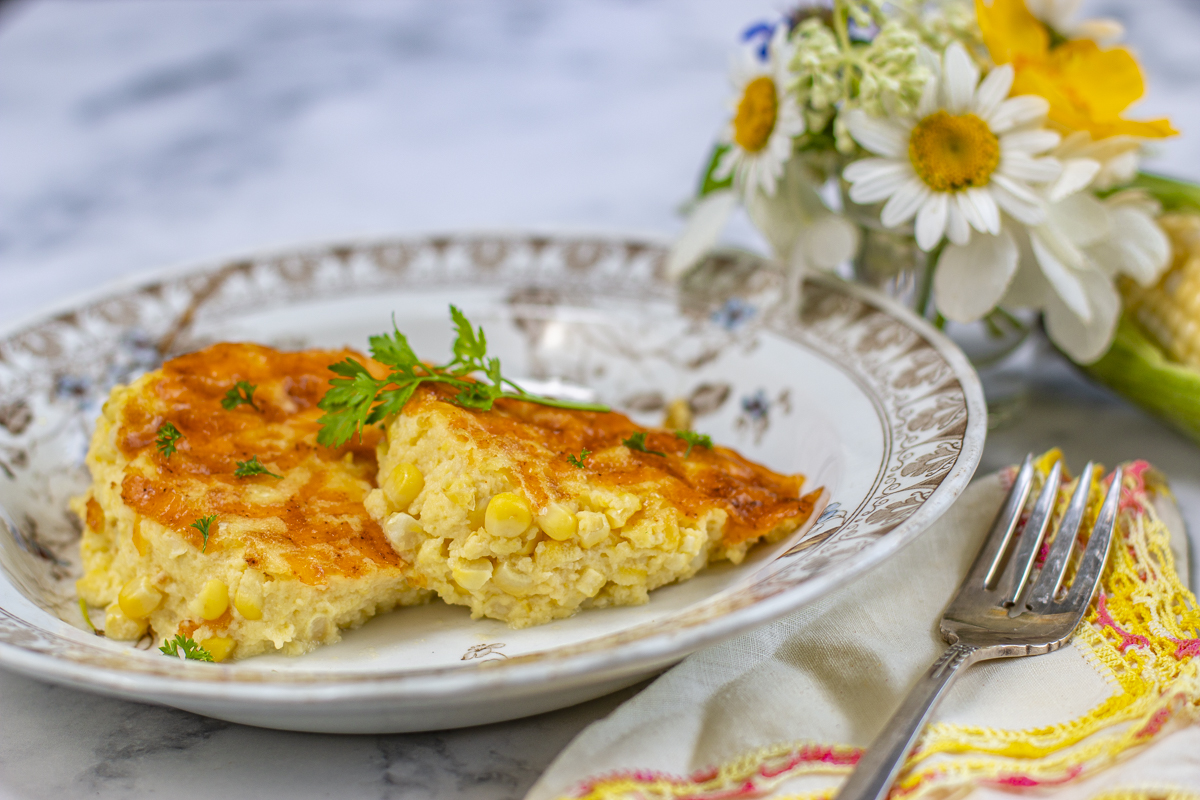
(1170, 310)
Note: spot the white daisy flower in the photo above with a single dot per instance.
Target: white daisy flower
(1069, 263)
(969, 153)
(765, 119)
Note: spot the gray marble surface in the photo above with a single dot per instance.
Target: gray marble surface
(139, 134)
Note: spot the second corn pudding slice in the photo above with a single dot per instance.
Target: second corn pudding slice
(493, 511)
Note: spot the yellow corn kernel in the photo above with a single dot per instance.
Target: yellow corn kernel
(139, 542)
(558, 522)
(512, 581)
(248, 600)
(475, 517)
(403, 485)
(212, 600)
(219, 646)
(118, 625)
(507, 515)
(139, 598)
(473, 574)
(593, 528)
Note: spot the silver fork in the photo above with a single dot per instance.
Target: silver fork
(996, 614)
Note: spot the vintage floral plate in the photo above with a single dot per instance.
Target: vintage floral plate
(840, 384)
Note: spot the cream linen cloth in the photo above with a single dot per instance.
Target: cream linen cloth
(833, 672)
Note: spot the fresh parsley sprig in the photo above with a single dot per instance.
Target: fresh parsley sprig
(252, 467)
(168, 435)
(241, 394)
(190, 650)
(692, 438)
(203, 524)
(580, 460)
(357, 399)
(638, 442)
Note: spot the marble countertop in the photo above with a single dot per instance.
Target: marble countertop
(140, 134)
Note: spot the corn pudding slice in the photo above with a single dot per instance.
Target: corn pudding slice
(492, 513)
(288, 561)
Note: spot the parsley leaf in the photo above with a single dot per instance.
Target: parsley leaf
(356, 398)
(252, 467)
(579, 461)
(203, 524)
(692, 438)
(168, 435)
(190, 649)
(638, 442)
(242, 394)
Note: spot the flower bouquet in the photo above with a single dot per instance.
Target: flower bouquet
(977, 159)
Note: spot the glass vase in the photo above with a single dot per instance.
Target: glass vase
(1000, 346)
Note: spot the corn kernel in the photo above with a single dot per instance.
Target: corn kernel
(118, 625)
(472, 575)
(508, 515)
(475, 517)
(593, 528)
(403, 532)
(558, 522)
(512, 581)
(219, 646)
(212, 600)
(139, 598)
(248, 600)
(404, 484)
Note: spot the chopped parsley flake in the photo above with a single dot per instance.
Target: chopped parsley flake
(638, 442)
(202, 525)
(692, 438)
(185, 647)
(252, 467)
(242, 394)
(168, 435)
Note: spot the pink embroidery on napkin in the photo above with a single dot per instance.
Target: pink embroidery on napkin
(1105, 620)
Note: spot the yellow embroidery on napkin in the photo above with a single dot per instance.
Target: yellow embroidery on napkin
(1142, 632)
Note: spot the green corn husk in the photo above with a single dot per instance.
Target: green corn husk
(1136, 366)
(1138, 369)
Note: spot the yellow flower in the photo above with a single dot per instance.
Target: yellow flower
(1088, 87)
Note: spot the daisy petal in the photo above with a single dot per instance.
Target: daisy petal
(929, 99)
(1029, 287)
(970, 213)
(1065, 281)
(992, 91)
(1016, 200)
(904, 203)
(1017, 111)
(971, 278)
(989, 212)
(1138, 248)
(1085, 340)
(829, 241)
(1081, 220)
(880, 136)
(957, 229)
(703, 228)
(959, 78)
(931, 221)
(1034, 170)
(1077, 174)
(877, 181)
(1032, 142)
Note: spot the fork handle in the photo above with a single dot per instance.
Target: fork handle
(878, 766)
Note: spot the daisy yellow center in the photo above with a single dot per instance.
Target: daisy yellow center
(756, 112)
(952, 152)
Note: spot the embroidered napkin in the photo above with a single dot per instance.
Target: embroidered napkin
(786, 709)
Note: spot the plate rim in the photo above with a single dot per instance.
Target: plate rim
(636, 656)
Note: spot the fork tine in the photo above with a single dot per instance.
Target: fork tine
(1046, 586)
(1016, 574)
(1087, 578)
(987, 564)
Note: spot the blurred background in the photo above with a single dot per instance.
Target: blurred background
(137, 135)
